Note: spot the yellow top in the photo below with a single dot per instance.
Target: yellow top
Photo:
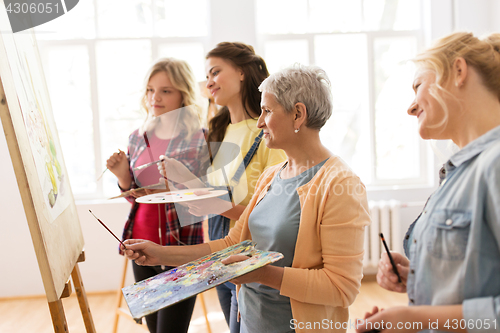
(237, 141)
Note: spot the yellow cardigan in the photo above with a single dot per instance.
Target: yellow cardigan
(327, 266)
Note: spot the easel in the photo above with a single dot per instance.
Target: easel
(124, 312)
(56, 307)
(42, 178)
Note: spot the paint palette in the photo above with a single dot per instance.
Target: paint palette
(179, 196)
(170, 287)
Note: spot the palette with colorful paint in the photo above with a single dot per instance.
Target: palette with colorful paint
(170, 287)
(181, 196)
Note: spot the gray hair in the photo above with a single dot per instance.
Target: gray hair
(302, 84)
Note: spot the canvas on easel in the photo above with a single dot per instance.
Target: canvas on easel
(30, 131)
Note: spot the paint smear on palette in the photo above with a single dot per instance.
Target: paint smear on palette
(170, 287)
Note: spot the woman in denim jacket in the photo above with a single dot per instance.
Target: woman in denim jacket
(452, 274)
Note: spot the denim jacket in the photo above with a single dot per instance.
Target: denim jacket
(454, 245)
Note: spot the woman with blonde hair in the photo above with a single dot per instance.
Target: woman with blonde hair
(452, 265)
(172, 128)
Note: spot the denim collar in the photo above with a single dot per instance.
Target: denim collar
(473, 149)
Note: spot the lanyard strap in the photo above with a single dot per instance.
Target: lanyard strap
(246, 161)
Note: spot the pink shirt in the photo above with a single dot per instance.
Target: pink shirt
(150, 218)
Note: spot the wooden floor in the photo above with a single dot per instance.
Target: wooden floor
(31, 315)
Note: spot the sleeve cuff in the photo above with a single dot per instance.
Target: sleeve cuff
(217, 245)
(124, 190)
(481, 313)
(291, 279)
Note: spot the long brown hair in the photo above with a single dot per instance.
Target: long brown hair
(243, 57)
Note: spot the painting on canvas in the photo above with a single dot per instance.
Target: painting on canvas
(37, 115)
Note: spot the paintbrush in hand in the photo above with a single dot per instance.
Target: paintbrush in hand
(147, 165)
(102, 173)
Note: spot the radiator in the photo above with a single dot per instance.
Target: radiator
(386, 219)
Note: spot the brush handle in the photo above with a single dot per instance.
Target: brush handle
(102, 174)
(147, 165)
(394, 267)
(118, 239)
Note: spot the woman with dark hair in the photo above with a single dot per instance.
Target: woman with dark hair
(234, 73)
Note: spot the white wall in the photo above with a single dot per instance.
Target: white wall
(494, 16)
(438, 19)
(232, 21)
(19, 274)
(475, 16)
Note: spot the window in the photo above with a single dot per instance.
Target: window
(95, 59)
(364, 46)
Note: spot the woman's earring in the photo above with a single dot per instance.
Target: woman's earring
(297, 130)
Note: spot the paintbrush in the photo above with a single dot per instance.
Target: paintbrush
(147, 165)
(102, 174)
(108, 230)
(394, 267)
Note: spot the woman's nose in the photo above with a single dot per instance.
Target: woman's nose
(209, 83)
(412, 110)
(260, 121)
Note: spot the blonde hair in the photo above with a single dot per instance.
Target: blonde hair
(482, 54)
(182, 78)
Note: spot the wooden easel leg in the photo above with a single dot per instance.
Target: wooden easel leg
(58, 317)
(119, 296)
(204, 308)
(82, 299)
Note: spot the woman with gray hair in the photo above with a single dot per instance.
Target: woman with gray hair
(312, 208)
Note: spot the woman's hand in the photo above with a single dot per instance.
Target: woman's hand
(386, 277)
(118, 165)
(375, 310)
(269, 275)
(413, 319)
(253, 276)
(397, 319)
(144, 252)
(208, 206)
(175, 171)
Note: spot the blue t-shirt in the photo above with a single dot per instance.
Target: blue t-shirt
(274, 225)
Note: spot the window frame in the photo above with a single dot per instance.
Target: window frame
(218, 11)
(425, 179)
(90, 45)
